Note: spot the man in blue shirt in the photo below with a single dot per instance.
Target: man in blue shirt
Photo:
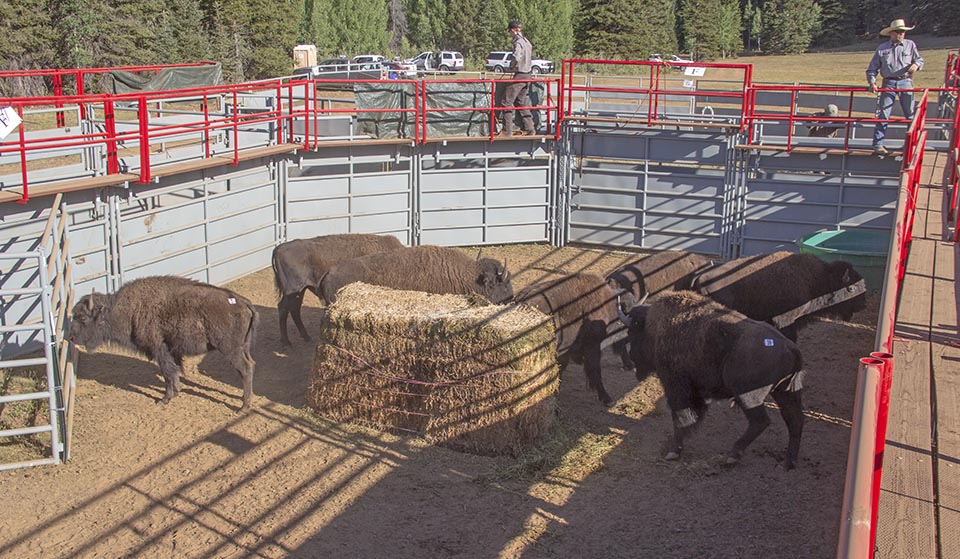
(895, 61)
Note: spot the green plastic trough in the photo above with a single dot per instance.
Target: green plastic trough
(866, 250)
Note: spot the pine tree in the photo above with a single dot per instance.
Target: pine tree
(26, 34)
(621, 29)
(476, 27)
(837, 27)
(789, 25)
(397, 25)
(426, 23)
(360, 26)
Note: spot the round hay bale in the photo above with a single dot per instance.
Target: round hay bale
(455, 369)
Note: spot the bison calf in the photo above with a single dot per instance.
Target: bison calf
(583, 306)
(785, 289)
(702, 351)
(431, 269)
(299, 265)
(168, 318)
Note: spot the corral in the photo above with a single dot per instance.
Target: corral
(194, 479)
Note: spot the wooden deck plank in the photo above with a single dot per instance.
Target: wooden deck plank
(906, 524)
(945, 339)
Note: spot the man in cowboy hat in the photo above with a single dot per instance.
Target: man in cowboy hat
(516, 93)
(895, 61)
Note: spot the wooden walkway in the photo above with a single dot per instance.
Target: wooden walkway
(919, 514)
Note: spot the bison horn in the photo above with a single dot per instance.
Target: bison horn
(90, 302)
(479, 252)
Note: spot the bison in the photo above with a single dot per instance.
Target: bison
(300, 265)
(651, 274)
(583, 306)
(168, 318)
(785, 289)
(702, 351)
(431, 269)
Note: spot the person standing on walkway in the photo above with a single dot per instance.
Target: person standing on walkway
(516, 92)
(895, 61)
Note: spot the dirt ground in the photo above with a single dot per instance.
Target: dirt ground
(195, 479)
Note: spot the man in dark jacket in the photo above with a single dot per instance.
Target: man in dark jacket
(516, 93)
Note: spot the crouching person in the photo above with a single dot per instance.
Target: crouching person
(702, 351)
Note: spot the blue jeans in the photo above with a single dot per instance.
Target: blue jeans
(885, 105)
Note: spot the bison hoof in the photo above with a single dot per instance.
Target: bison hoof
(672, 455)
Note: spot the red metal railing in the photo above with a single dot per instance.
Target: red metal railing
(951, 79)
(654, 91)
(57, 75)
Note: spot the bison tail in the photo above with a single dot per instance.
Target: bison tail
(251, 334)
(278, 281)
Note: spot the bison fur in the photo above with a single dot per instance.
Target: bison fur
(168, 318)
(768, 285)
(583, 306)
(300, 264)
(431, 269)
(702, 351)
(650, 275)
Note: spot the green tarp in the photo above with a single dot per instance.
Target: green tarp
(444, 103)
(181, 77)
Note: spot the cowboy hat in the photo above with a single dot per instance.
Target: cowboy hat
(895, 25)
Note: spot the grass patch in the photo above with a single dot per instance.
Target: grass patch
(567, 452)
(28, 413)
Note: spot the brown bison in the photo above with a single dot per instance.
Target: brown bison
(168, 318)
(431, 269)
(583, 306)
(300, 265)
(649, 275)
(769, 286)
(702, 351)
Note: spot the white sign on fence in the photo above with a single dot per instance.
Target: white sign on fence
(9, 120)
(694, 71)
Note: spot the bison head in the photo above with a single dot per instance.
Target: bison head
(88, 321)
(843, 275)
(493, 281)
(640, 347)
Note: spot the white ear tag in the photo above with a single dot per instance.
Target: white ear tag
(767, 342)
(232, 301)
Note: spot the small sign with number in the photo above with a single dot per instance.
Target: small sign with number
(9, 120)
(694, 71)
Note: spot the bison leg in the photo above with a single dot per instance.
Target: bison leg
(243, 362)
(170, 369)
(591, 365)
(685, 421)
(290, 304)
(759, 421)
(791, 409)
(295, 306)
(791, 332)
(621, 348)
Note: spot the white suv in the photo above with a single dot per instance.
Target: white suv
(499, 61)
(438, 61)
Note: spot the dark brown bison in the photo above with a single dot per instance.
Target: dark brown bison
(583, 306)
(300, 265)
(431, 269)
(702, 351)
(769, 286)
(168, 318)
(649, 275)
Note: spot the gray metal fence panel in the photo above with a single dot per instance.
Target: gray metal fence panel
(363, 189)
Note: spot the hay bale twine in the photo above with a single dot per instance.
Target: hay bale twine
(457, 370)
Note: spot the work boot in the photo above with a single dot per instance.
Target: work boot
(528, 126)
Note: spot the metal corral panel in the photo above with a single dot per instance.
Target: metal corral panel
(491, 196)
(351, 190)
(820, 193)
(632, 206)
(211, 229)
